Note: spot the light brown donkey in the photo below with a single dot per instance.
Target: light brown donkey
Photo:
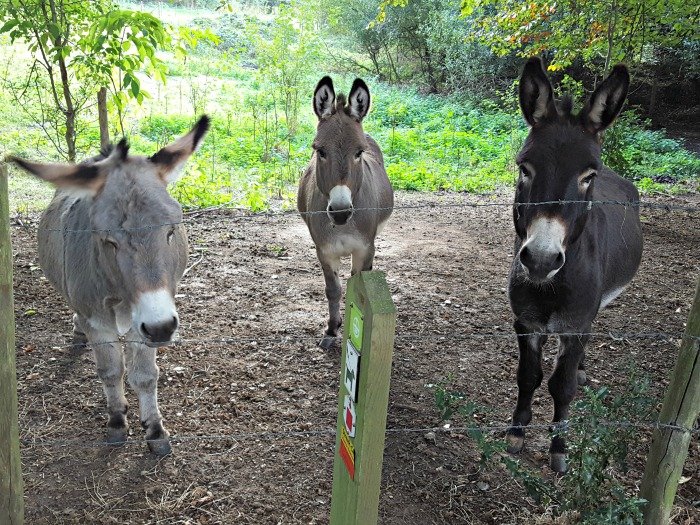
(345, 196)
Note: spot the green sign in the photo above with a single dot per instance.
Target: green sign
(356, 326)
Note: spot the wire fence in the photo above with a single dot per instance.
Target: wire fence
(398, 208)
(400, 338)
(561, 427)
(288, 338)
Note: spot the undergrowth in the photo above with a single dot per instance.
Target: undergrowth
(590, 493)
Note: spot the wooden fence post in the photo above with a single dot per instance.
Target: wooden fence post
(11, 493)
(681, 407)
(367, 348)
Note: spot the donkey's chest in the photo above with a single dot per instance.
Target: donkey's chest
(341, 243)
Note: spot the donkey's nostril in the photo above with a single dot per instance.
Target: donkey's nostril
(340, 216)
(526, 257)
(541, 265)
(161, 332)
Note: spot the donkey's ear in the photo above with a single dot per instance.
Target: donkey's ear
(536, 93)
(359, 99)
(76, 176)
(171, 159)
(606, 101)
(324, 98)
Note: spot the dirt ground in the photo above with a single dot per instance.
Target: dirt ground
(258, 280)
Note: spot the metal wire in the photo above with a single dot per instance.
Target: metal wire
(434, 206)
(288, 338)
(277, 434)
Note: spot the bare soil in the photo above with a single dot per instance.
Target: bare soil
(258, 280)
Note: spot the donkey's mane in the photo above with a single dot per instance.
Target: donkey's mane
(340, 102)
(565, 112)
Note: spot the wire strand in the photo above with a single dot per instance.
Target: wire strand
(277, 434)
(288, 338)
(434, 206)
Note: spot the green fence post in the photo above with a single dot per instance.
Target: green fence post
(669, 447)
(11, 494)
(367, 348)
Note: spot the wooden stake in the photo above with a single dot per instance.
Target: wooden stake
(370, 322)
(11, 492)
(681, 407)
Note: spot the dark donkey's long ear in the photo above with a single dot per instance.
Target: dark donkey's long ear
(172, 158)
(606, 101)
(324, 98)
(359, 99)
(78, 176)
(536, 93)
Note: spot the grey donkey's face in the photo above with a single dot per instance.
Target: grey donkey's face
(140, 243)
(339, 145)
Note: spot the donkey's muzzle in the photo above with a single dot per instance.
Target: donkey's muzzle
(541, 266)
(159, 333)
(340, 216)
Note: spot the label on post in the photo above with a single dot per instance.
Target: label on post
(349, 416)
(356, 327)
(347, 452)
(352, 370)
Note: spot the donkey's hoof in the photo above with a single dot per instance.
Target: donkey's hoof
(160, 447)
(116, 437)
(327, 341)
(159, 442)
(581, 377)
(515, 443)
(557, 462)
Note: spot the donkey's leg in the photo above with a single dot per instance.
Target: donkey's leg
(529, 379)
(362, 260)
(109, 359)
(79, 337)
(142, 374)
(562, 387)
(581, 376)
(331, 264)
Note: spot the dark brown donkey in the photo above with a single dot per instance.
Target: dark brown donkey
(571, 260)
(345, 196)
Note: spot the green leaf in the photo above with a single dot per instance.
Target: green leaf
(54, 30)
(9, 25)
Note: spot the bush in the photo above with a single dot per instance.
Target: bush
(597, 451)
(637, 153)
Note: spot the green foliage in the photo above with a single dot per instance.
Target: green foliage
(598, 433)
(598, 33)
(286, 52)
(82, 46)
(647, 156)
(258, 88)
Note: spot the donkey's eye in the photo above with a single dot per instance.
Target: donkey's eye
(586, 180)
(358, 155)
(321, 153)
(171, 234)
(524, 172)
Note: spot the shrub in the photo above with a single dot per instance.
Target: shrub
(597, 450)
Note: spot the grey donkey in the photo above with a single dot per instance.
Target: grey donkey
(113, 244)
(345, 196)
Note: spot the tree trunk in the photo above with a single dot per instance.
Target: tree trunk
(652, 99)
(103, 117)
